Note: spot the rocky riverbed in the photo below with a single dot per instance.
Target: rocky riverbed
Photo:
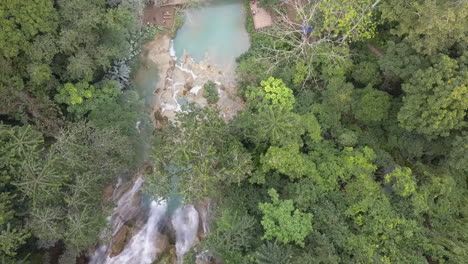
(181, 82)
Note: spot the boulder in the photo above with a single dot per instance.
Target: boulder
(119, 240)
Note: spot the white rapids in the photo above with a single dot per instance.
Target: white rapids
(144, 247)
(185, 223)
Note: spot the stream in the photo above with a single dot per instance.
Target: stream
(142, 229)
(216, 32)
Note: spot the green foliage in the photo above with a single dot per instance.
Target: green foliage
(372, 106)
(93, 36)
(401, 60)
(283, 222)
(436, 99)
(59, 187)
(300, 73)
(22, 21)
(83, 97)
(339, 95)
(348, 139)
(48, 45)
(458, 157)
(17, 143)
(251, 70)
(232, 237)
(126, 114)
(288, 161)
(208, 156)
(271, 126)
(270, 3)
(210, 92)
(348, 19)
(402, 181)
(429, 26)
(367, 73)
(11, 235)
(382, 177)
(271, 253)
(272, 93)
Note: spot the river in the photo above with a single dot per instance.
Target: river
(143, 230)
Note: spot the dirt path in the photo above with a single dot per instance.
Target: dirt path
(159, 16)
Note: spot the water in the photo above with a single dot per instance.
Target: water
(216, 30)
(185, 223)
(142, 249)
(145, 83)
(148, 243)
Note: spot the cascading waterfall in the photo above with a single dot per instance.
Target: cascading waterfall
(144, 247)
(185, 223)
(127, 207)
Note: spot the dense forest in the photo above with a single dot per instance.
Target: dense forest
(352, 147)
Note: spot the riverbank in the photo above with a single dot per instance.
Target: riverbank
(180, 82)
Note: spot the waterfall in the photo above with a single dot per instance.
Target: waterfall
(185, 223)
(142, 249)
(127, 207)
(147, 244)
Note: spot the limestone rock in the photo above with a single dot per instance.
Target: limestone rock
(120, 240)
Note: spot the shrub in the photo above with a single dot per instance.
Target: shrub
(210, 92)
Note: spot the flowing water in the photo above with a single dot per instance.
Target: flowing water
(215, 31)
(185, 223)
(147, 244)
(145, 81)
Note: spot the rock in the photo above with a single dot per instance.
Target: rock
(106, 194)
(120, 240)
(162, 243)
(203, 208)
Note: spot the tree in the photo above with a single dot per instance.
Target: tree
(92, 37)
(83, 97)
(210, 92)
(275, 126)
(283, 222)
(17, 143)
(271, 253)
(401, 60)
(436, 99)
(458, 157)
(11, 235)
(273, 92)
(339, 95)
(288, 161)
(348, 19)
(429, 26)
(402, 180)
(232, 236)
(367, 73)
(21, 22)
(371, 106)
(196, 154)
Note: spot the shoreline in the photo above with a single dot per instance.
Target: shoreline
(179, 83)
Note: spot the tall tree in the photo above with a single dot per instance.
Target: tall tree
(436, 99)
(429, 26)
